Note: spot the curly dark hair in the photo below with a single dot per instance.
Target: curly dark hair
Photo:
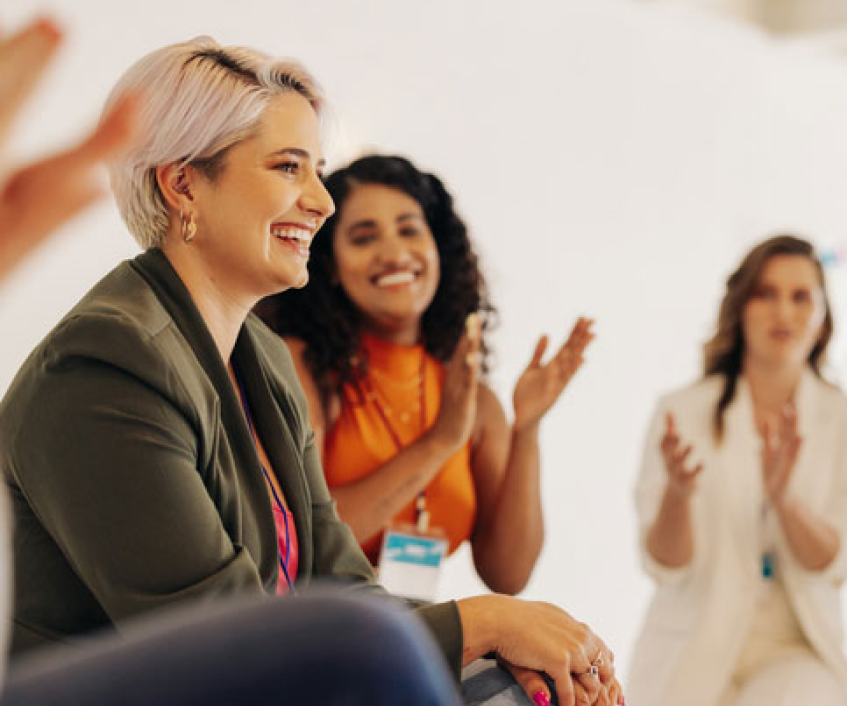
(322, 315)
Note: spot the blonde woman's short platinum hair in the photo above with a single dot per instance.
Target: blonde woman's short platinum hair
(199, 99)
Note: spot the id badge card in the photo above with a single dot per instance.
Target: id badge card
(410, 562)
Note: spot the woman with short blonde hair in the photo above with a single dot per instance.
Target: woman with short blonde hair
(157, 442)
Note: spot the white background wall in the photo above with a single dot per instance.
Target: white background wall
(612, 158)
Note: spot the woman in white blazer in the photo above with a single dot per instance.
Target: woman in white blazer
(742, 504)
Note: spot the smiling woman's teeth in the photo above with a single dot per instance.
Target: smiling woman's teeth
(299, 238)
(300, 235)
(395, 278)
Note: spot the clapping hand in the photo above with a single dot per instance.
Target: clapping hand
(682, 477)
(541, 384)
(779, 454)
(23, 58)
(40, 197)
(455, 420)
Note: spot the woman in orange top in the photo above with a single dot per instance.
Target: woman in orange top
(388, 338)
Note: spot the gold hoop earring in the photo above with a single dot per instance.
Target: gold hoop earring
(189, 227)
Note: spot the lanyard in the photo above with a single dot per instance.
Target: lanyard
(421, 513)
(283, 560)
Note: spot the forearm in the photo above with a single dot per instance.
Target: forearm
(506, 546)
(371, 503)
(813, 542)
(670, 539)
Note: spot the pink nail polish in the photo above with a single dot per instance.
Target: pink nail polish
(540, 698)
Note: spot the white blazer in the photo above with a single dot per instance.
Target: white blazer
(701, 614)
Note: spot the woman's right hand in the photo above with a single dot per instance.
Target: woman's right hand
(682, 478)
(534, 637)
(454, 424)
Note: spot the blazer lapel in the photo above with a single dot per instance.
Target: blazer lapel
(165, 282)
(274, 419)
(817, 428)
(740, 463)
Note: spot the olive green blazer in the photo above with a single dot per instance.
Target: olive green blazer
(134, 479)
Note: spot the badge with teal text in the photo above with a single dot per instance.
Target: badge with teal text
(410, 563)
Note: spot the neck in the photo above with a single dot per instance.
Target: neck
(772, 385)
(403, 335)
(223, 312)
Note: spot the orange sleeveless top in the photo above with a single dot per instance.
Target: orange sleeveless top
(403, 386)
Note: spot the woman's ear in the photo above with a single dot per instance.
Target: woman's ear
(175, 181)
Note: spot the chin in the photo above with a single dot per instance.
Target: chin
(786, 359)
(293, 280)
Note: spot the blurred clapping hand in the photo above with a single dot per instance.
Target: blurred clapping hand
(36, 199)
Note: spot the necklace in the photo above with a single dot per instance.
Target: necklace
(386, 413)
(399, 385)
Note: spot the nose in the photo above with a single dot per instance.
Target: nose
(784, 308)
(394, 249)
(315, 199)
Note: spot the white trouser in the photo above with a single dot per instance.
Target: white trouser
(789, 680)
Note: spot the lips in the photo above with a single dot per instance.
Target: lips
(780, 334)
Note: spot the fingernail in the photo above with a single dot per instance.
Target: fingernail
(540, 698)
(472, 324)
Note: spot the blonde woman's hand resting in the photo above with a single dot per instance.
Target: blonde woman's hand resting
(541, 384)
(532, 638)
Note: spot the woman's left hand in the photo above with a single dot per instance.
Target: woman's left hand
(540, 385)
(779, 454)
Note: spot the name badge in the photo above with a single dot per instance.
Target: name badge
(410, 563)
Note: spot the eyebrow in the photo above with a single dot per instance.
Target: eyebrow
(297, 152)
(370, 223)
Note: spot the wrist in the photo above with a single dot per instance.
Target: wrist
(676, 495)
(526, 431)
(784, 505)
(479, 625)
(438, 446)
